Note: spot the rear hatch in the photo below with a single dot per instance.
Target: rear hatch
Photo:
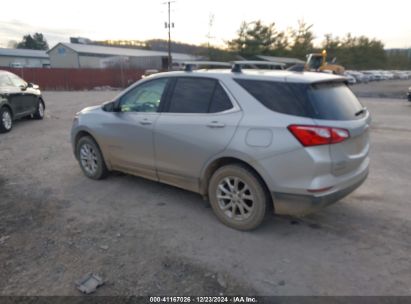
(333, 104)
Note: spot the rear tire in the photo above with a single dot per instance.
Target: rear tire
(90, 158)
(39, 114)
(6, 120)
(238, 197)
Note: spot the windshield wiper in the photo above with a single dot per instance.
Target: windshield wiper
(362, 111)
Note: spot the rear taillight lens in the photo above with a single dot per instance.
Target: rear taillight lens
(318, 135)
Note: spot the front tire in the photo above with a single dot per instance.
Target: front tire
(238, 197)
(39, 114)
(6, 120)
(90, 158)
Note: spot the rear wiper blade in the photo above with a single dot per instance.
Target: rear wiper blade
(362, 111)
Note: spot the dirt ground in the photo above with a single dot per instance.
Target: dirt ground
(383, 89)
(146, 238)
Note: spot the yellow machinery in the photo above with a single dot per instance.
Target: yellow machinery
(317, 62)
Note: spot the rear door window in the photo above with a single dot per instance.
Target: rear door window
(198, 95)
(191, 95)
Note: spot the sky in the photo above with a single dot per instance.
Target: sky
(388, 21)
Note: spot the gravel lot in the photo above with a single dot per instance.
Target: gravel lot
(383, 89)
(146, 238)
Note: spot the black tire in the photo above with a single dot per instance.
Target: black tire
(39, 114)
(233, 216)
(6, 120)
(96, 159)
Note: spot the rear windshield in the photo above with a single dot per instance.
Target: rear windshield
(329, 101)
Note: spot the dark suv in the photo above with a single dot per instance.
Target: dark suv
(18, 99)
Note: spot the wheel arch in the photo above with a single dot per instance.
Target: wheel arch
(5, 105)
(219, 162)
(42, 100)
(82, 133)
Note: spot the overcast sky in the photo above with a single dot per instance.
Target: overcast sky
(388, 21)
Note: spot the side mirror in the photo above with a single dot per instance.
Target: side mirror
(32, 85)
(111, 106)
(116, 106)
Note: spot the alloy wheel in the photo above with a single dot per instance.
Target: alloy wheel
(89, 159)
(235, 198)
(41, 109)
(6, 119)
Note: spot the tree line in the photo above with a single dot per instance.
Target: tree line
(256, 38)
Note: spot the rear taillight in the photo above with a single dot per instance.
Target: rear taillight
(318, 135)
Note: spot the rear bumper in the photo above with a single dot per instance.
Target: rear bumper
(299, 205)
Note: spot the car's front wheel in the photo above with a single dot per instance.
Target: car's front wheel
(39, 114)
(238, 197)
(6, 120)
(90, 158)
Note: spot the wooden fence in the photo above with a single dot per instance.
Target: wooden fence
(77, 79)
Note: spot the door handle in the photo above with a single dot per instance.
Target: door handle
(145, 122)
(216, 124)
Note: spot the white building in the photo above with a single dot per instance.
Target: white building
(74, 55)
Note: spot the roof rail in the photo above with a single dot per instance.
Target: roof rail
(236, 68)
(188, 65)
(235, 65)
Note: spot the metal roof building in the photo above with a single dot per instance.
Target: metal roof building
(23, 58)
(74, 55)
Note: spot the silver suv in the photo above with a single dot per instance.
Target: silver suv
(252, 141)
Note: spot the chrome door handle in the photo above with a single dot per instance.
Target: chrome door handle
(216, 124)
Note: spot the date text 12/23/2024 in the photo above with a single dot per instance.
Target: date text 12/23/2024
(204, 299)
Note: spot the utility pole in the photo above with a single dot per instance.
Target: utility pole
(169, 25)
(209, 37)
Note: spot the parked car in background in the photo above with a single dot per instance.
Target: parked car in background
(370, 75)
(359, 77)
(350, 78)
(387, 75)
(252, 141)
(409, 94)
(18, 99)
(378, 75)
(400, 75)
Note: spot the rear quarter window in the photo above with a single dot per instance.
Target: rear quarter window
(278, 96)
(327, 101)
(333, 101)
